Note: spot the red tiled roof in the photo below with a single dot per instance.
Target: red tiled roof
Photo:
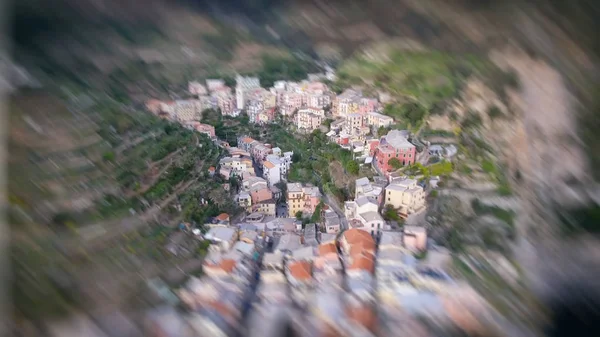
(356, 236)
(223, 216)
(212, 168)
(300, 270)
(327, 248)
(364, 261)
(360, 248)
(227, 265)
(269, 165)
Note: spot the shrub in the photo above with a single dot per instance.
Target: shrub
(395, 163)
(488, 166)
(441, 168)
(352, 167)
(390, 213)
(495, 112)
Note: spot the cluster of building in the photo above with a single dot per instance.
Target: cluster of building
(217, 302)
(405, 195)
(257, 196)
(267, 278)
(304, 199)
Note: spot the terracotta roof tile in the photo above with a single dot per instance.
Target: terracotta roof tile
(354, 236)
(227, 265)
(269, 165)
(327, 248)
(222, 217)
(359, 241)
(300, 270)
(363, 262)
(359, 248)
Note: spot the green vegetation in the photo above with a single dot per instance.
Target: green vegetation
(422, 255)
(316, 216)
(495, 112)
(426, 132)
(284, 69)
(471, 121)
(223, 43)
(316, 160)
(488, 166)
(382, 131)
(35, 289)
(109, 156)
(298, 215)
(352, 167)
(409, 115)
(395, 163)
(426, 77)
(582, 219)
(500, 213)
(442, 168)
(391, 214)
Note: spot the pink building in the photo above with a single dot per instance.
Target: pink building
(395, 145)
(367, 105)
(260, 152)
(312, 197)
(208, 130)
(415, 238)
(154, 106)
(290, 102)
(372, 144)
(259, 195)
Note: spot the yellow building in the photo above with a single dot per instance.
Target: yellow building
(295, 199)
(406, 196)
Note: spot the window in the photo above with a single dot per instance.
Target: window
(389, 199)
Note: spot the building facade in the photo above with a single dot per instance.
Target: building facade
(394, 145)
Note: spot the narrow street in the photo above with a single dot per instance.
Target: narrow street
(333, 204)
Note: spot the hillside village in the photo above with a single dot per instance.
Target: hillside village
(362, 267)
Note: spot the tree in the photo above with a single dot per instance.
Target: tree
(382, 131)
(234, 182)
(296, 157)
(299, 215)
(391, 214)
(316, 216)
(109, 156)
(395, 163)
(352, 167)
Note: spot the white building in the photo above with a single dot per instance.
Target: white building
(368, 189)
(214, 84)
(379, 120)
(272, 171)
(365, 213)
(243, 84)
